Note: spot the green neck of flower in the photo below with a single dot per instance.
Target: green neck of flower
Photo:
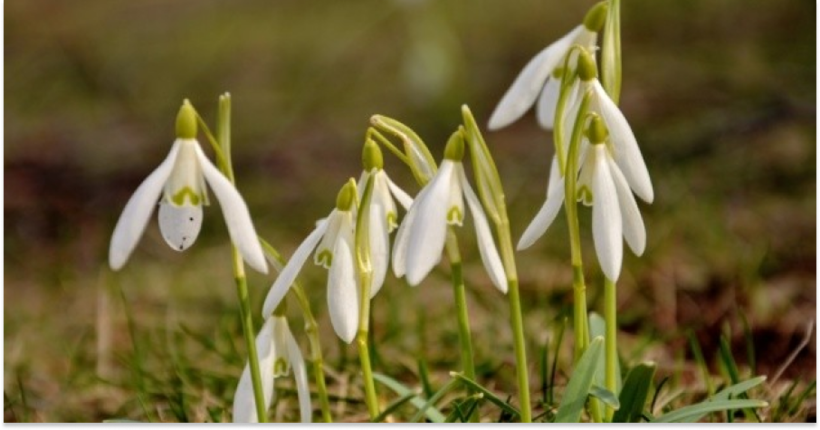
(372, 156)
(596, 131)
(454, 151)
(186, 121)
(587, 70)
(346, 197)
(596, 16)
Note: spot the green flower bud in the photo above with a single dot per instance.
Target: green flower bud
(344, 201)
(281, 309)
(595, 18)
(455, 147)
(372, 156)
(186, 121)
(596, 130)
(587, 70)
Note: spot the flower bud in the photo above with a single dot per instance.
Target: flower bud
(587, 70)
(596, 130)
(344, 201)
(595, 18)
(372, 156)
(455, 147)
(186, 121)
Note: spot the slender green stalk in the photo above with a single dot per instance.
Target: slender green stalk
(248, 333)
(365, 269)
(311, 330)
(516, 320)
(464, 335)
(222, 149)
(611, 341)
(571, 209)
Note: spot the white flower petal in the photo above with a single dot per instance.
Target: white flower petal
(379, 246)
(244, 403)
(383, 198)
(179, 225)
(606, 218)
(235, 212)
(288, 274)
(342, 287)
(324, 252)
(429, 228)
(300, 375)
(403, 198)
(625, 148)
(547, 103)
(403, 236)
(530, 81)
(634, 230)
(486, 243)
(138, 210)
(546, 215)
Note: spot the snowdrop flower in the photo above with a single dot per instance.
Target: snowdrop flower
(333, 239)
(383, 215)
(602, 185)
(541, 74)
(422, 234)
(278, 354)
(180, 181)
(624, 146)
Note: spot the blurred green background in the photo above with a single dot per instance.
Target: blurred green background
(721, 95)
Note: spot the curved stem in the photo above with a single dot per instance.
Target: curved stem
(248, 332)
(460, 295)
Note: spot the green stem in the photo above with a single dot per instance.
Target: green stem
(516, 320)
(312, 332)
(611, 341)
(464, 335)
(571, 209)
(364, 352)
(248, 333)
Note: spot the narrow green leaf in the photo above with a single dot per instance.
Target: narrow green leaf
(597, 327)
(606, 396)
(556, 347)
(738, 388)
(704, 369)
(433, 400)
(634, 393)
(489, 395)
(397, 387)
(392, 407)
(575, 395)
(696, 412)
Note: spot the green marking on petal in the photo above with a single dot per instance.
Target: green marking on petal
(180, 196)
(584, 195)
(280, 367)
(454, 216)
(392, 220)
(325, 258)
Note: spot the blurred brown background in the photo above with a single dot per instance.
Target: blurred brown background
(721, 95)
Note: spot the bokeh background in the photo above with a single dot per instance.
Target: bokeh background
(721, 95)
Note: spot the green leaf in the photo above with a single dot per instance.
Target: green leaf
(597, 327)
(611, 52)
(436, 397)
(738, 388)
(393, 407)
(634, 393)
(575, 395)
(696, 412)
(606, 396)
(489, 395)
(397, 387)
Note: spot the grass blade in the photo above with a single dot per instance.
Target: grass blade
(634, 393)
(397, 387)
(738, 388)
(393, 407)
(606, 396)
(556, 348)
(489, 395)
(696, 412)
(432, 400)
(575, 395)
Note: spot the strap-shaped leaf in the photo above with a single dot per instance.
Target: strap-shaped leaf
(695, 412)
(489, 395)
(397, 387)
(634, 393)
(608, 397)
(575, 395)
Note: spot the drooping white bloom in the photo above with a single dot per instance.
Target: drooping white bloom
(179, 185)
(383, 220)
(422, 234)
(278, 354)
(539, 76)
(333, 239)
